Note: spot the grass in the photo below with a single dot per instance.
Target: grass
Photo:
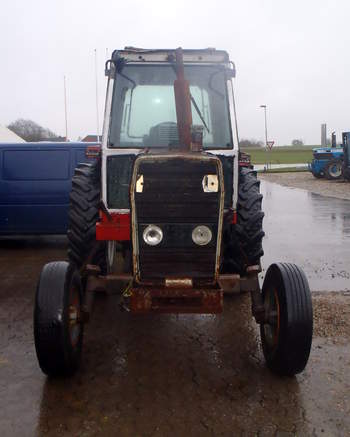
(280, 155)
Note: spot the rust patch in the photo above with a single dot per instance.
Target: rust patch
(179, 301)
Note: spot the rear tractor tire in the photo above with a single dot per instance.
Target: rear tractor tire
(334, 169)
(58, 329)
(286, 335)
(346, 172)
(83, 215)
(243, 241)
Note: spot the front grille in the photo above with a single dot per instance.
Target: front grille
(324, 155)
(173, 198)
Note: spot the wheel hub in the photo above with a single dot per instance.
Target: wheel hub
(335, 170)
(271, 326)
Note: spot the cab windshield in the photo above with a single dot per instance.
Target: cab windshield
(144, 113)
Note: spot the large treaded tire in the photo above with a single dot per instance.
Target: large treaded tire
(57, 353)
(243, 241)
(334, 169)
(83, 215)
(287, 336)
(346, 172)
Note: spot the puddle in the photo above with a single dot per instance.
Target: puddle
(310, 230)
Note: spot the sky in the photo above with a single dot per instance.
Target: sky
(292, 56)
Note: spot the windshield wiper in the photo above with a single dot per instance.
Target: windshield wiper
(199, 113)
(194, 103)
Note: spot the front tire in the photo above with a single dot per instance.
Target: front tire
(286, 335)
(316, 175)
(58, 330)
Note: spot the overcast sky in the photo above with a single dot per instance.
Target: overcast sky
(292, 56)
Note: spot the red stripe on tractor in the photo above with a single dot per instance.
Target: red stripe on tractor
(234, 218)
(116, 227)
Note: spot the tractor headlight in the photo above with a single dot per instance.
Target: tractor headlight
(201, 235)
(152, 235)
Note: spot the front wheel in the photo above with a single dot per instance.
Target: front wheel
(316, 175)
(58, 330)
(286, 335)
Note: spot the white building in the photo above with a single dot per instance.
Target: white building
(7, 136)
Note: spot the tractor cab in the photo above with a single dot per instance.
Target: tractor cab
(143, 102)
(346, 149)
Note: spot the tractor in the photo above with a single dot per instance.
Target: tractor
(327, 162)
(172, 210)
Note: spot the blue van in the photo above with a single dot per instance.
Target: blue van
(35, 182)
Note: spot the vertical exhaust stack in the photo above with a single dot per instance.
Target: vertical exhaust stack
(183, 103)
(323, 135)
(334, 140)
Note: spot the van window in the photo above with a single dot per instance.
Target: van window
(35, 164)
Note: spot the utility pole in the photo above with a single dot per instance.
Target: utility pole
(264, 107)
(96, 82)
(65, 105)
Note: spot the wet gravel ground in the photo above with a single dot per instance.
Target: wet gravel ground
(165, 375)
(305, 180)
(310, 230)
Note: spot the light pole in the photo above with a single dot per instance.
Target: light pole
(264, 107)
(65, 106)
(97, 107)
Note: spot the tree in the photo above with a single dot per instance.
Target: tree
(250, 143)
(31, 131)
(297, 143)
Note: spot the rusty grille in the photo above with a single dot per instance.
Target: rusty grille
(173, 198)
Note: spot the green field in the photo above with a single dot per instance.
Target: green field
(280, 155)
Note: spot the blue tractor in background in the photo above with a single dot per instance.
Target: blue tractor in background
(328, 162)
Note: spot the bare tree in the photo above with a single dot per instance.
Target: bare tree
(31, 131)
(250, 143)
(297, 142)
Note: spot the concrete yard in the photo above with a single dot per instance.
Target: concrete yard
(304, 180)
(171, 375)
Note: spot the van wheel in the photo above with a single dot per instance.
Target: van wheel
(58, 330)
(83, 215)
(286, 335)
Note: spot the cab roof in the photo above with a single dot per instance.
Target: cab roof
(209, 55)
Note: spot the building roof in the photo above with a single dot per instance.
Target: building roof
(7, 136)
(92, 139)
